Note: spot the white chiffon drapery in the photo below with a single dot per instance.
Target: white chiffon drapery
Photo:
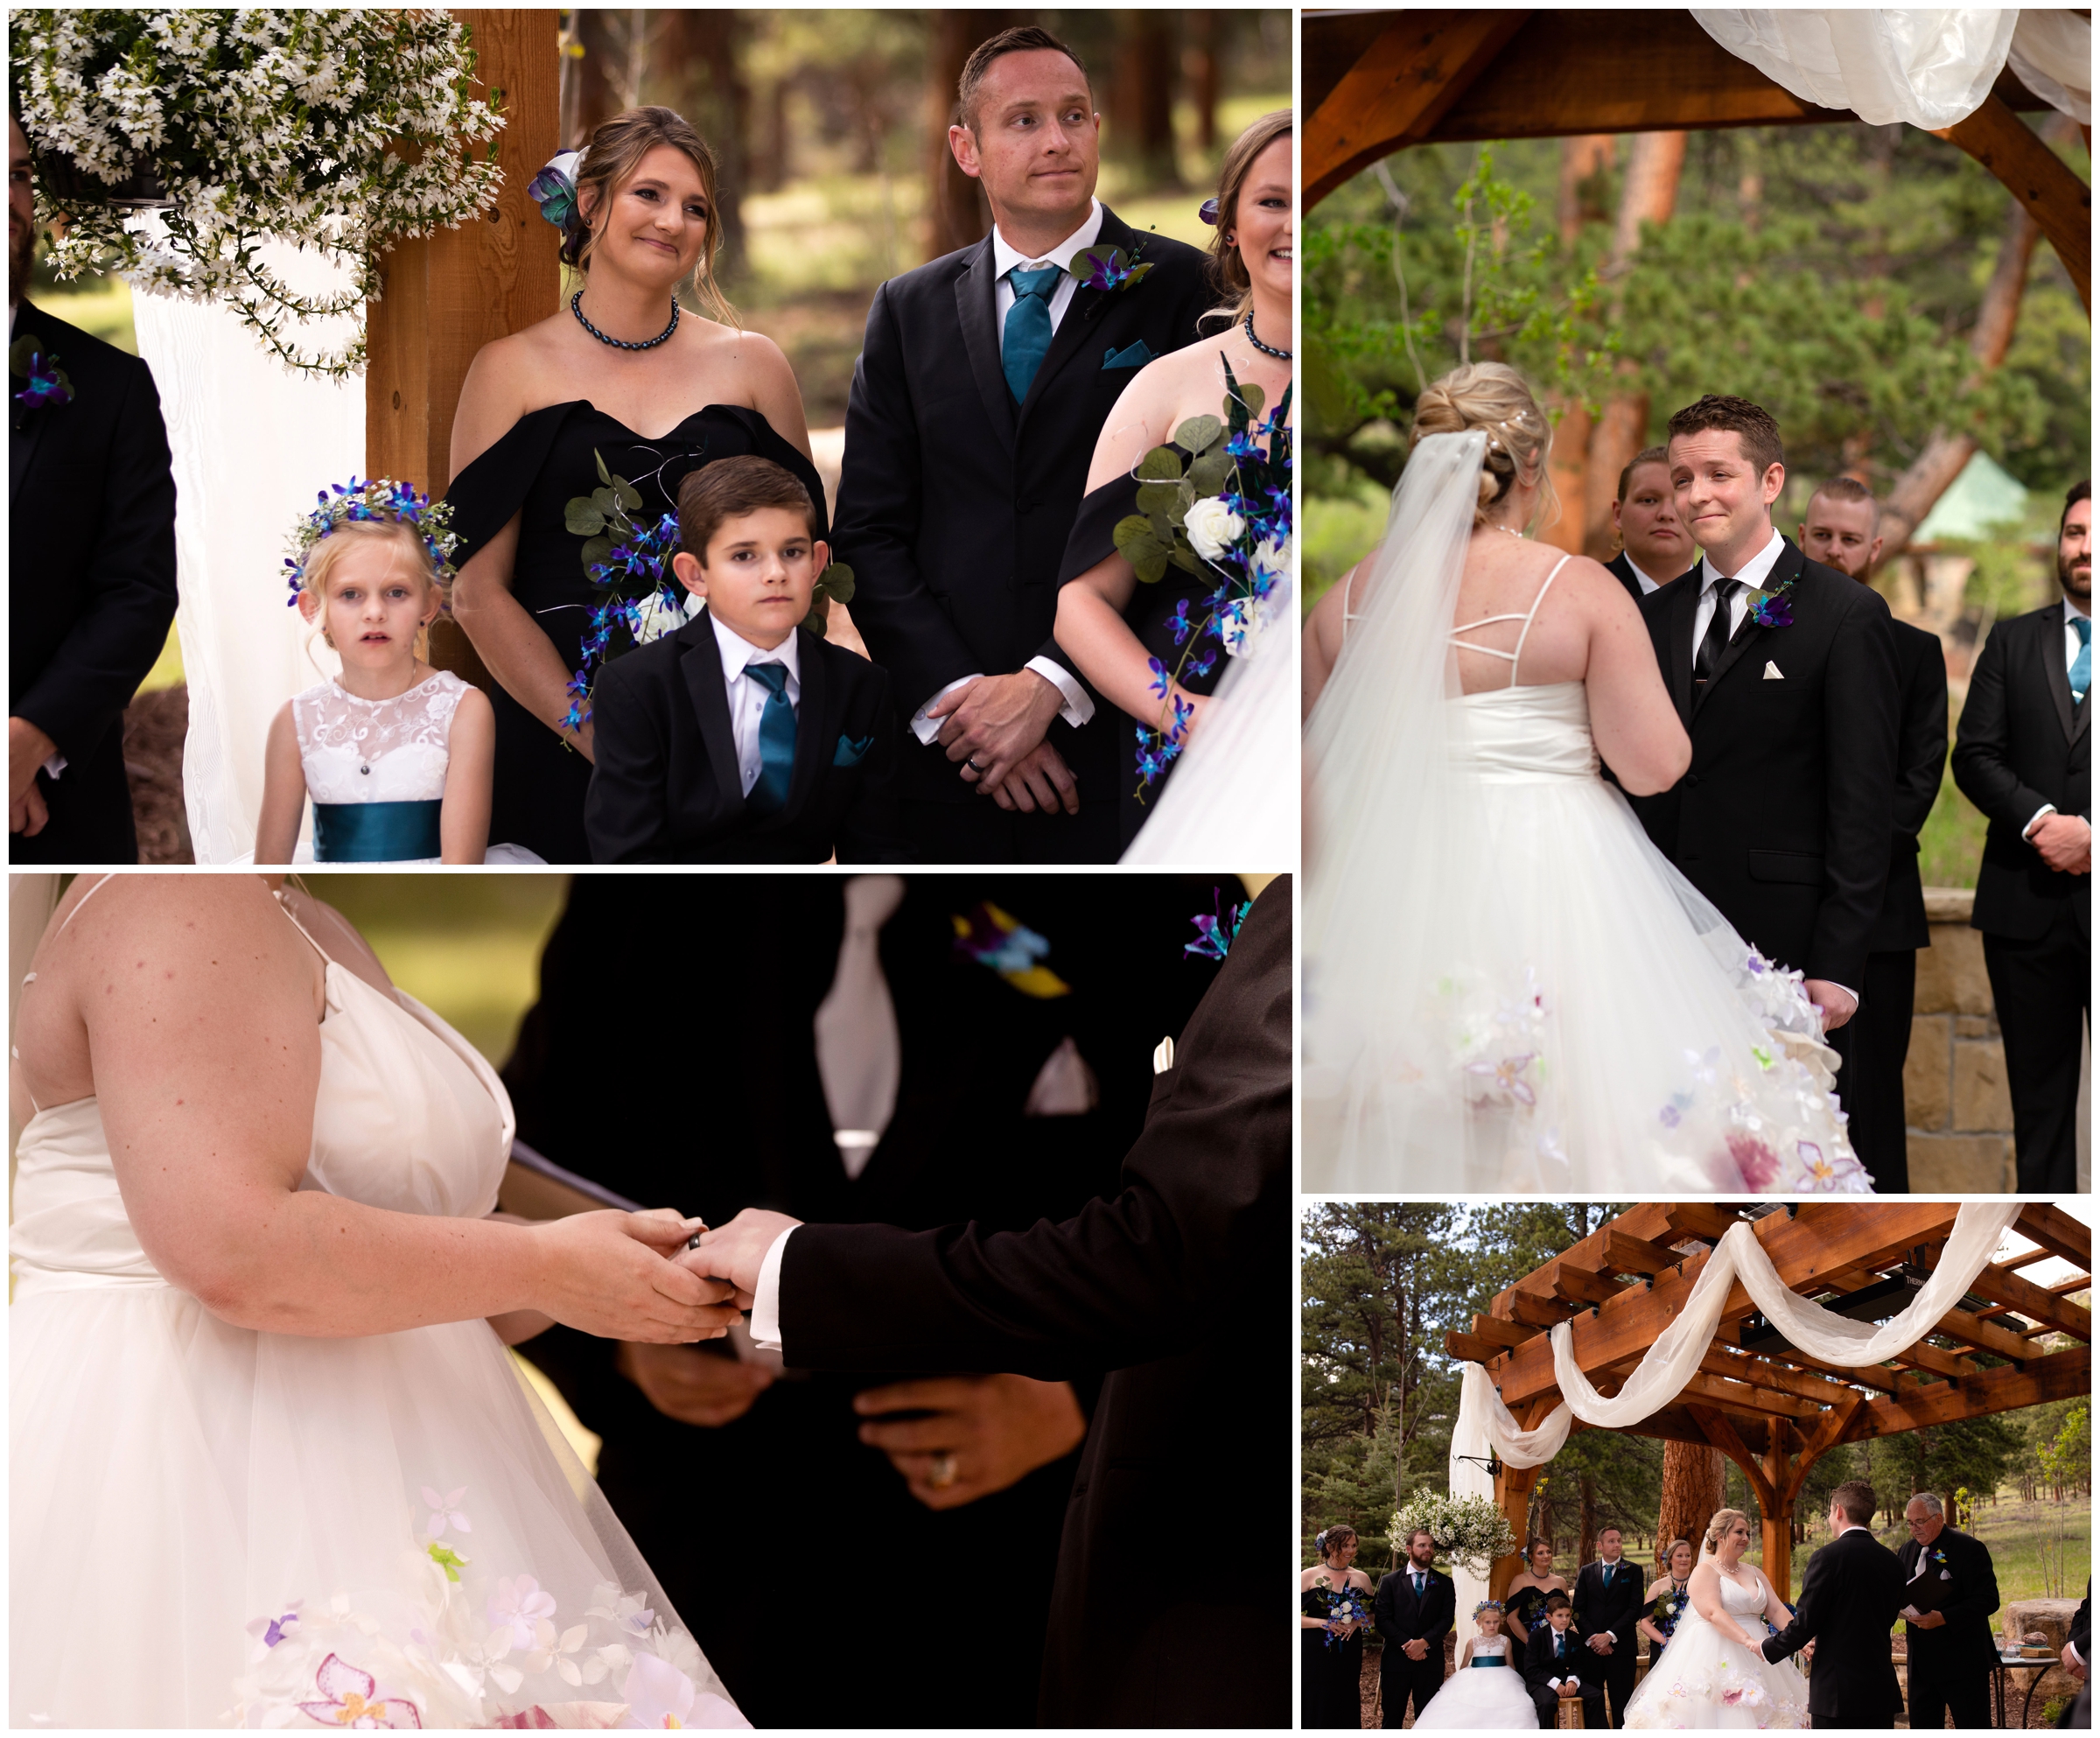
(1929, 66)
(253, 443)
(1486, 1424)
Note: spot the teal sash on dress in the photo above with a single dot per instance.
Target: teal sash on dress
(1492, 1659)
(376, 832)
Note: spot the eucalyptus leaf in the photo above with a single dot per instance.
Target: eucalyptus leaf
(1161, 465)
(837, 582)
(583, 518)
(1199, 434)
(1254, 397)
(1186, 560)
(1159, 497)
(604, 475)
(1208, 474)
(1139, 542)
(630, 497)
(1153, 569)
(596, 551)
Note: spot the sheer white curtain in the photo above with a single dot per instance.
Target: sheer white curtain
(253, 444)
(2051, 55)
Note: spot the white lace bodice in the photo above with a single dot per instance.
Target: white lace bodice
(377, 751)
(1484, 1649)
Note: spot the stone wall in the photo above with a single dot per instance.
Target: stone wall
(1954, 1080)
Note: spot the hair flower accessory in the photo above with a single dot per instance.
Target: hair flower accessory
(380, 501)
(1208, 212)
(553, 188)
(28, 360)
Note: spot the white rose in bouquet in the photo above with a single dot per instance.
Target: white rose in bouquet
(1213, 527)
(657, 615)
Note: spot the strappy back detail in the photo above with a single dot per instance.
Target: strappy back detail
(284, 906)
(29, 978)
(1527, 618)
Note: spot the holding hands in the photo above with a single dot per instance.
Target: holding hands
(994, 725)
(736, 1251)
(610, 1274)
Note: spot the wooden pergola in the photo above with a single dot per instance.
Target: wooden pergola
(1376, 82)
(1772, 1410)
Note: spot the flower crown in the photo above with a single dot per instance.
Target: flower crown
(380, 501)
(1488, 1605)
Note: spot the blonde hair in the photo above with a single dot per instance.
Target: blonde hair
(1718, 1529)
(1226, 265)
(1493, 397)
(330, 550)
(610, 159)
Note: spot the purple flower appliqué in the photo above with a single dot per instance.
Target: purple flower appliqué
(1758, 1162)
(353, 1702)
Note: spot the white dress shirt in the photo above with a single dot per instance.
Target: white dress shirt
(1077, 707)
(1646, 585)
(748, 697)
(2071, 613)
(1753, 573)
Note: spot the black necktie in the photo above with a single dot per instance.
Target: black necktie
(1716, 640)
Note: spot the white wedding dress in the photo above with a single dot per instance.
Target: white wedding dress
(1488, 1695)
(210, 1525)
(1507, 987)
(1705, 1680)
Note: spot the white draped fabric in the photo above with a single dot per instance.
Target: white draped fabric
(1929, 66)
(1486, 1424)
(253, 443)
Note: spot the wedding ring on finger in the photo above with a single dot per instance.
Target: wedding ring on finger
(940, 1470)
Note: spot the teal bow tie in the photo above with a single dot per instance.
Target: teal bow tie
(776, 741)
(2081, 666)
(1027, 337)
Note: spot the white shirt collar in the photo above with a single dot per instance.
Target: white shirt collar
(1753, 572)
(1004, 258)
(1850, 1527)
(1641, 574)
(736, 651)
(2071, 609)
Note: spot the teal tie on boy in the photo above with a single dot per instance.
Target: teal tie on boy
(2081, 666)
(1027, 336)
(776, 741)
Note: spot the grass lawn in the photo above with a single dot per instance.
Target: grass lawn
(2016, 1532)
(1952, 843)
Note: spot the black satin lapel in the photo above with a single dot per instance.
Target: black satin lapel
(1683, 616)
(811, 728)
(2069, 714)
(974, 307)
(701, 665)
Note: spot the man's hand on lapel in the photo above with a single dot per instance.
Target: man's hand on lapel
(990, 725)
(738, 1251)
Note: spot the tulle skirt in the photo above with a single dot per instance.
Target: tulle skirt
(1705, 1680)
(211, 1526)
(1480, 1698)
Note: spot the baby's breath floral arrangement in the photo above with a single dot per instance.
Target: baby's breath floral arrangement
(1471, 1531)
(335, 129)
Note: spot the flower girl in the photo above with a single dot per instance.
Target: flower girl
(1475, 1697)
(396, 756)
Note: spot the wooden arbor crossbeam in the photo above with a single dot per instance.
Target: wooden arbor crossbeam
(1377, 82)
(1774, 1410)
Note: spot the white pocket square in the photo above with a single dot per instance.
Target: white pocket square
(1772, 672)
(1163, 1057)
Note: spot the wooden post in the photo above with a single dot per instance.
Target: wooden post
(1775, 1506)
(446, 295)
(1512, 1491)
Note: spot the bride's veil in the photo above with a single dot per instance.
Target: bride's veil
(1384, 819)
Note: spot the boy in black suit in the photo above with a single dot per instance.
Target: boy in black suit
(2023, 756)
(1555, 1657)
(743, 737)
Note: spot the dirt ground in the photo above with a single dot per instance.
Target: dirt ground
(154, 728)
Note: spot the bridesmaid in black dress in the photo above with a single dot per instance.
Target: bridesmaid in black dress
(1330, 1645)
(622, 374)
(1525, 1602)
(1110, 626)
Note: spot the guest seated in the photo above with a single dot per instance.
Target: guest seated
(1557, 1667)
(743, 737)
(1653, 547)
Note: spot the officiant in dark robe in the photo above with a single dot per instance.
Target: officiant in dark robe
(1951, 1584)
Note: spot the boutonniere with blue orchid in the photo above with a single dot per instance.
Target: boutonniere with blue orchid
(1111, 270)
(1774, 607)
(45, 382)
(1218, 928)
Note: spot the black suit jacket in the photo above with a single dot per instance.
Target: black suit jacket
(2081, 1637)
(1617, 1609)
(1921, 759)
(1850, 1596)
(1965, 1644)
(1539, 1664)
(2021, 744)
(666, 789)
(955, 506)
(1785, 820)
(1176, 1288)
(1621, 568)
(91, 552)
(1399, 1616)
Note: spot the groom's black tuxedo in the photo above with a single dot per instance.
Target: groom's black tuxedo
(1951, 1663)
(1400, 1617)
(1850, 1596)
(1784, 819)
(955, 506)
(1616, 1608)
(1174, 1288)
(665, 786)
(91, 556)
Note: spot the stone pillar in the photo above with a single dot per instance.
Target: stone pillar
(1954, 1080)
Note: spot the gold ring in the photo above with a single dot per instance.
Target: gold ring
(941, 1471)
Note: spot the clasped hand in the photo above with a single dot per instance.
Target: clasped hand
(613, 1274)
(28, 748)
(2066, 844)
(994, 726)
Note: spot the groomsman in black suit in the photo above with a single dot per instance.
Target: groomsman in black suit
(980, 393)
(1784, 673)
(1607, 1605)
(91, 553)
(2078, 1652)
(1413, 1613)
(1555, 1655)
(1952, 1652)
(1850, 1595)
(1842, 530)
(2023, 756)
(1653, 549)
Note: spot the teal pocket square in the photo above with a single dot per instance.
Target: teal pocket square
(850, 749)
(1135, 357)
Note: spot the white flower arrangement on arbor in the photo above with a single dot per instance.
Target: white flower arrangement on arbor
(1471, 1531)
(338, 130)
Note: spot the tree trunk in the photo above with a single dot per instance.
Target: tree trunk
(1581, 157)
(957, 216)
(708, 43)
(1199, 68)
(597, 73)
(1693, 1482)
(1569, 468)
(1585, 1541)
(1143, 96)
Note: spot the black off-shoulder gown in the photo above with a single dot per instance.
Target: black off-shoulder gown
(1152, 617)
(535, 470)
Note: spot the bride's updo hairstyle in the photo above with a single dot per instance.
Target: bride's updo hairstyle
(1492, 396)
(613, 154)
(1717, 1530)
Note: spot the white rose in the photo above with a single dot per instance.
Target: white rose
(1269, 557)
(660, 616)
(1213, 528)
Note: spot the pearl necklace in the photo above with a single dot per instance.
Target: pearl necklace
(1280, 355)
(576, 307)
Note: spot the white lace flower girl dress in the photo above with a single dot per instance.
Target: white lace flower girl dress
(375, 771)
(1488, 1696)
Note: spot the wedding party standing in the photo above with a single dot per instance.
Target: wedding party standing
(1528, 1593)
(1608, 1603)
(262, 1422)
(91, 549)
(1566, 1009)
(620, 384)
(2023, 755)
(1653, 546)
(1949, 1596)
(1667, 1597)
(1334, 1610)
(1416, 1609)
(983, 385)
(1850, 1594)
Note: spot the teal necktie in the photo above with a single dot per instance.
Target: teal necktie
(2081, 666)
(776, 741)
(1027, 337)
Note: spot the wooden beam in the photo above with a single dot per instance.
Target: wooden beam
(1577, 1287)
(1471, 1347)
(1758, 1372)
(1539, 1313)
(1399, 89)
(1720, 1431)
(1828, 1433)
(1503, 1333)
(2054, 197)
(1873, 1376)
(1701, 1219)
(1742, 1397)
(1624, 1253)
(2056, 1377)
(2067, 1239)
(1923, 1356)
